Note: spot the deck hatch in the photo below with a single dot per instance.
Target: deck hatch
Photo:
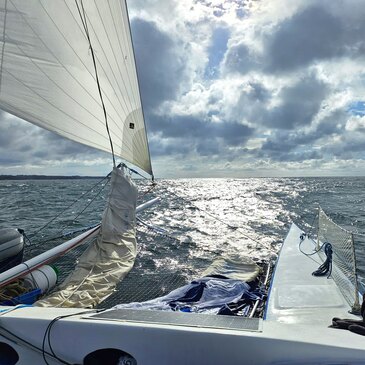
(182, 319)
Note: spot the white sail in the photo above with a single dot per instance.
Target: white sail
(111, 255)
(47, 75)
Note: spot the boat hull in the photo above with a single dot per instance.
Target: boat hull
(74, 338)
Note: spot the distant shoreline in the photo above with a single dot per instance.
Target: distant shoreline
(46, 177)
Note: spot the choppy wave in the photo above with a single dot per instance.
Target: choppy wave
(206, 218)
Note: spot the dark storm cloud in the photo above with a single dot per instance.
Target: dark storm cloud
(310, 35)
(188, 126)
(239, 59)
(258, 92)
(187, 134)
(300, 104)
(291, 145)
(23, 143)
(160, 66)
(315, 33)
(160, 147)
(350, 146)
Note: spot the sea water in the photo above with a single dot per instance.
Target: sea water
(204, 219)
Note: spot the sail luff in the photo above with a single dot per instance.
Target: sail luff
(138, 82)
(47, 76)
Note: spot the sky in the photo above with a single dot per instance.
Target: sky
(231, 88)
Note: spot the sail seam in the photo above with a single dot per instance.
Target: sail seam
(63, 66)
(96, 74)
(55, 83)
(115, 58)
(3, 47)
(129, 112)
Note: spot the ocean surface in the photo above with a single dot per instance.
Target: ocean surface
(204, 219)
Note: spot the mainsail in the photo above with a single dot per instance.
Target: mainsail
(47, 75)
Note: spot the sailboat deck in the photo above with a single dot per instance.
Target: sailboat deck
(182, 319)
(298, 297)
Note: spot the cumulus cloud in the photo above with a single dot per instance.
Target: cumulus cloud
(299, 104)
(310, 35)
(160, 65)
(25, 148)
(236, 87)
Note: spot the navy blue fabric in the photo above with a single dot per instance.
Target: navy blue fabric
(214, 295)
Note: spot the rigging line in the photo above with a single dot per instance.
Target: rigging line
(81, 61)
(47, 334)
(125, 107)
(69, 206)
(42, 71)
(309, 255)
(57, 108)
(67, 234)
(225, 223)
(3, 47)
(27, 343)
(53, 54)
(115, 58)
(133, 171)
(126, 145)
(145, 143)
(59, 233)
(97, 77)
(129, 111)
(134, 117)
(83, 210)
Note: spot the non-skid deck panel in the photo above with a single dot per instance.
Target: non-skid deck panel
(298, 297)
(182, 319)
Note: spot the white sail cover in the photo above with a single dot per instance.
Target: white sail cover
(111, 256)
(47, 75)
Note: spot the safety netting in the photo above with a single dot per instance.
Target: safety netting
(344, 268)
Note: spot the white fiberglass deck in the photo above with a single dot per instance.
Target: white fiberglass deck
(298, 297)
(295, 331)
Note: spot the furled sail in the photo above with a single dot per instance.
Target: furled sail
(111, 255)
(47, 75)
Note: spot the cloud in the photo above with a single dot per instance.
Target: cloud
(216, 51)
(22, 143)
(182, 135)
(239, 58)
(299, 104)
(236, 87)
(311, 34)
(159, 62)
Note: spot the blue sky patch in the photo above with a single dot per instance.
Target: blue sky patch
(216, 51)
(357, 108)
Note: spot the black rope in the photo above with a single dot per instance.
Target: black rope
(84, 23)
(326, 267)
(47, 333)
(43, 351)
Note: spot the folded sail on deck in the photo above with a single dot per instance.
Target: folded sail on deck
(47, 75)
